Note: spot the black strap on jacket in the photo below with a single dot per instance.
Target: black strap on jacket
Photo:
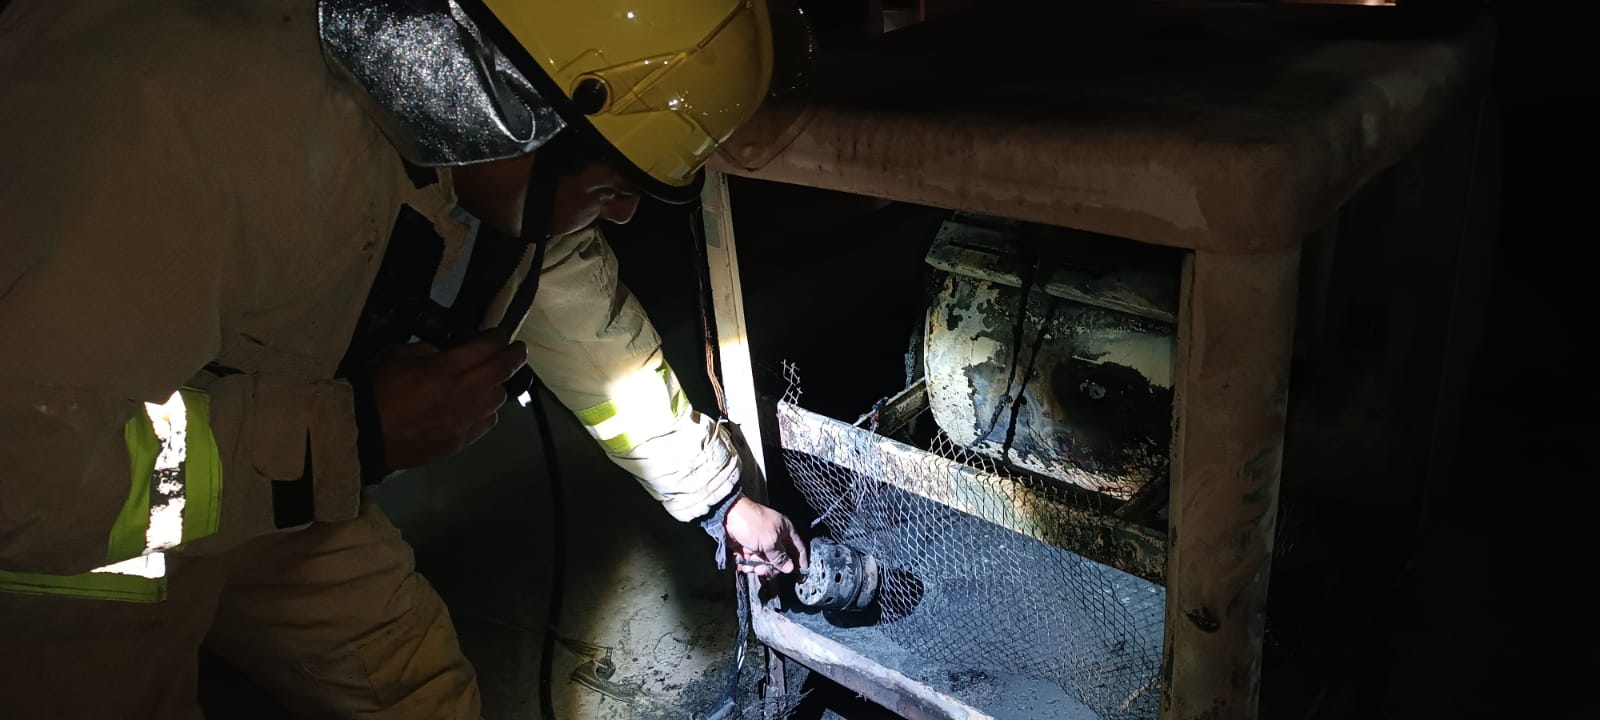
(399, 306)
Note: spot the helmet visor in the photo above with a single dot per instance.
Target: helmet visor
(668, 113)
(663, 111)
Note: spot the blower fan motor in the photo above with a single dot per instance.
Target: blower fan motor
(839, 578)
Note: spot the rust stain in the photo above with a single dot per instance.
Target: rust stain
(1259, 472)
(1204, 619)
(1166, 676)
(1214, 712)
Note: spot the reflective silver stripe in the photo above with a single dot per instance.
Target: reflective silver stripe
(170, 420)
(150, 566)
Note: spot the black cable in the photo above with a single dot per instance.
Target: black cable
(1028, 274)
(554, 161)
(1027, 376)
(708, 324)
(558, 554)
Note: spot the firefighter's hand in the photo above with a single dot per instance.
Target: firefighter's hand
(759, 533)
(432, 402)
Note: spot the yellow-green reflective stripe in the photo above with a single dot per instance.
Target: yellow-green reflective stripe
(127, 532)
(617, 445)
(201, 478)
(99, 586)
(202, 475)
(598, 414)
(594, 418)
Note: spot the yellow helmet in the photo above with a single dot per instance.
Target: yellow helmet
(662, 82)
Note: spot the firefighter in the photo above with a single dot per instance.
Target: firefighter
(218, 214)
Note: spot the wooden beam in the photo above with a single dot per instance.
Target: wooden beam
(738, 382)
(727, 301)
(1235, 335)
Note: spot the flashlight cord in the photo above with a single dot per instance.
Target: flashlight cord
(558, 554)
(537, 208)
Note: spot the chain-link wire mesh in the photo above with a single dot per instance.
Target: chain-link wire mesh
(981, 587)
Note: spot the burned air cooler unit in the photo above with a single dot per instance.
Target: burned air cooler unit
(1058, 365)
(1007, 507)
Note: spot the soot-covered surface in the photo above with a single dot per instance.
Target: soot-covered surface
(1012, 626)
(1006, 696)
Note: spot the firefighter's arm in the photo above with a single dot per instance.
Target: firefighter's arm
(593, 345)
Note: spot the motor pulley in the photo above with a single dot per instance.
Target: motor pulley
(839, 578)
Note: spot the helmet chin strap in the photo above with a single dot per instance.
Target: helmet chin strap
(496, 255)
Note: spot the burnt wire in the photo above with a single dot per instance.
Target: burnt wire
(708, 331)
(1029, 273)
(1027, 376)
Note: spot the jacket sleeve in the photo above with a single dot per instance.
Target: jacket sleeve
(593, 346)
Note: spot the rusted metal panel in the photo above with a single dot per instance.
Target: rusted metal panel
(897, 411)
(1097, 270)
(1057, 378)
(1011, 503)
(1080, 394)
(882, 685)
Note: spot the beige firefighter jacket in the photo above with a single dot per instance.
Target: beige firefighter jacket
(187, 183)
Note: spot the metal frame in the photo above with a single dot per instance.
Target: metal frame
(1235, 335)
(1242, 236)
(1015, 506)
